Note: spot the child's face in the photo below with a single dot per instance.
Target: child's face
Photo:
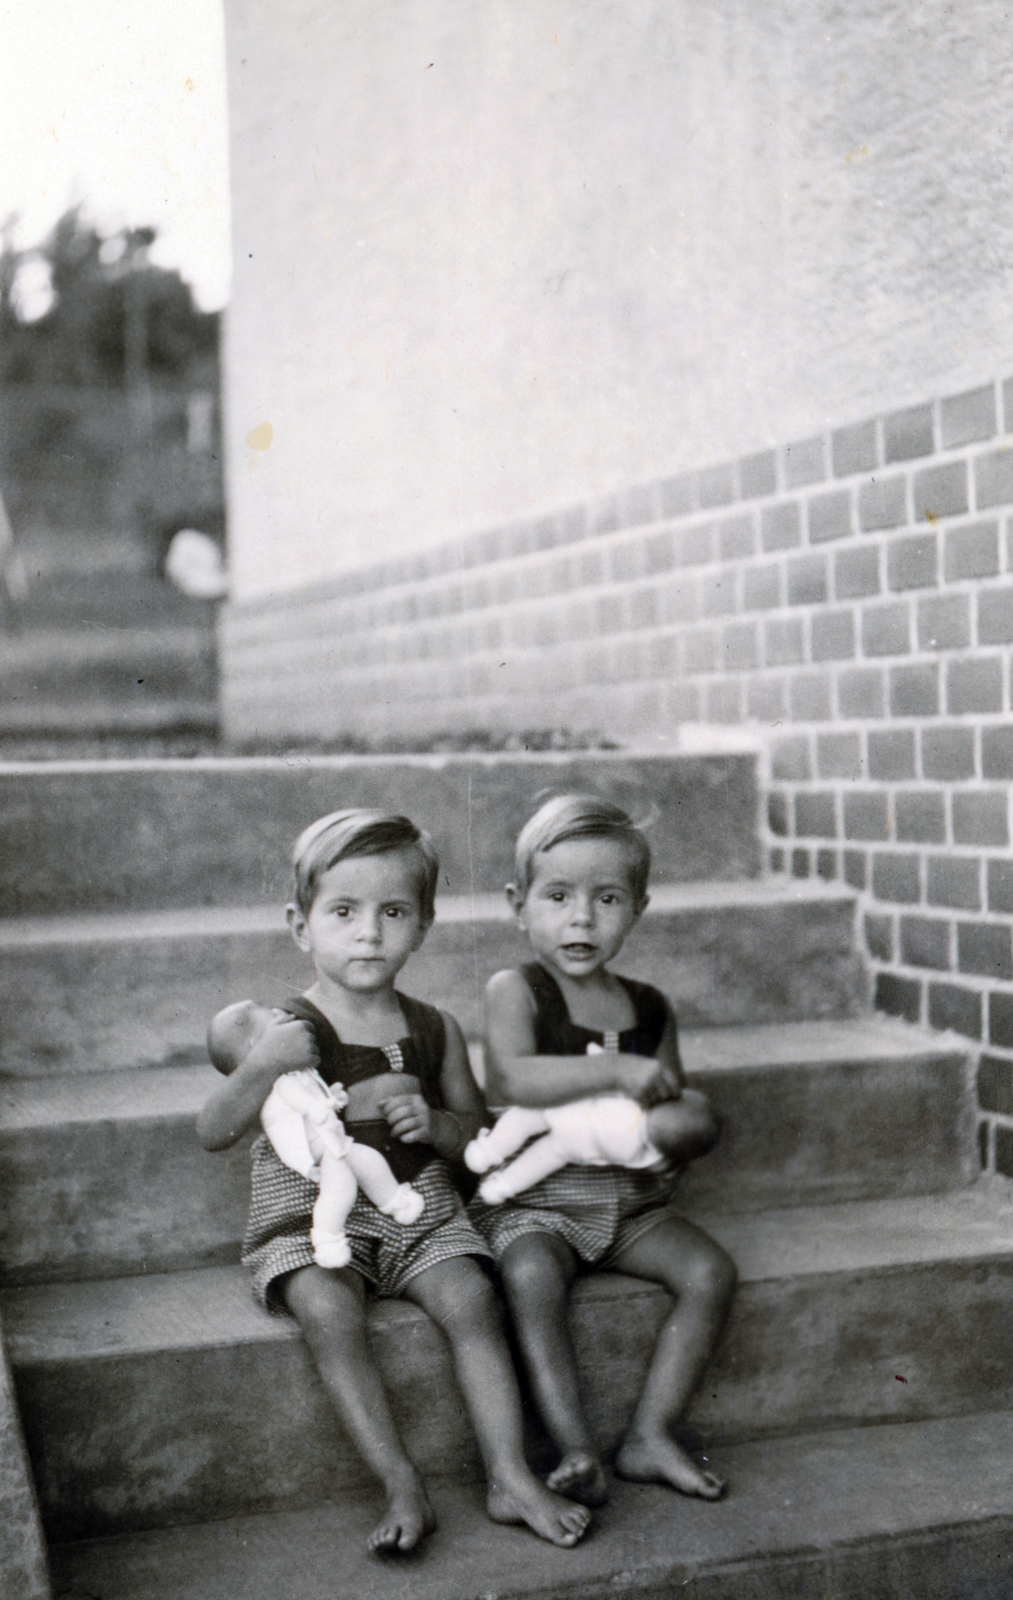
(364, 922)
(580, 905)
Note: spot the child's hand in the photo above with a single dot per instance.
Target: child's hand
(410, 1118)
(286, 1044)
(647, 1081)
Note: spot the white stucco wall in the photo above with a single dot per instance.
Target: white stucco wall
(495, 255)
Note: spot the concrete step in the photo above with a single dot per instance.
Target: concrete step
(921, 1509)
(101, 1175)
(95, 836)
(107, 663)
(172, 1398)
(125, 716)
(92, 993)
(111, 597)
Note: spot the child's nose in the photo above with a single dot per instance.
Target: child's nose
(582, 913)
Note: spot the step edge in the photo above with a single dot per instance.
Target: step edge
(699, 896)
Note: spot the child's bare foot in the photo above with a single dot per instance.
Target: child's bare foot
(580, 1477)
(408, 1517)
(659, 1459)
(524, 1499)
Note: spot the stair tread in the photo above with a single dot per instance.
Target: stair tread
(211, 1306)
(181, 1090)
(81, 927)
(798, 1501)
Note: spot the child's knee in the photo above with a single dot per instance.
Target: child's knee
(532, 1270)
(714, 1274)
(325, 1301)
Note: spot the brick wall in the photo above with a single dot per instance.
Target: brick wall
(849, 597)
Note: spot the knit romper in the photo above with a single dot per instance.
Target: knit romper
(386, 1253)
(599, 1211)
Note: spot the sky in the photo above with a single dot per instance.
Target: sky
(119, 106)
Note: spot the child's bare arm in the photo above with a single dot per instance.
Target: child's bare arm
(668, 1052)
(286, 1045)
(517, 1076)
(414, 1121)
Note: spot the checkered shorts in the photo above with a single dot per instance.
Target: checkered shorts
(599, 1211)
(385, 1253)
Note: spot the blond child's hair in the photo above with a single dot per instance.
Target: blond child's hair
(580, 816)
(361, 832)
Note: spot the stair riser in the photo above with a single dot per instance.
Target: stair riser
(141, 1440)
(118, 1003)
(789, 1138)
(220, 834)
(133, 677)
(93, 1200)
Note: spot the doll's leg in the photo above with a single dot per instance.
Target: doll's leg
(546, 1155)
(338, 1190)
(378, 1183)
(515, 1126)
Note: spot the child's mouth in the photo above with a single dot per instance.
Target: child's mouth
(579, 951)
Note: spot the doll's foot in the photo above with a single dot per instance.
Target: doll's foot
(580, 1477)
(476, 1153)
(405, 1205)
(524, 1499)
(330, 1249)
(495, 1189)
(659, 1459)
(406, 1520)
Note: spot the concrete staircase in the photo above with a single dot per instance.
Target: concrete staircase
(101, 648)
(861, 1401)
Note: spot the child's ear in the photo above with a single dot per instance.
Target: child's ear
(297, 926)
(515, 900)
(641, 907)
(423, 929)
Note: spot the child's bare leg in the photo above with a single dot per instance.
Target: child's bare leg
(538, 1161)
(702, 1277)
(538, 1271)
(330, 1309)
(460, 1299)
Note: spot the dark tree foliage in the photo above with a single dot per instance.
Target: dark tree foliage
(109, 317)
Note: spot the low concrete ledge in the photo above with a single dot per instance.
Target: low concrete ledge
(23, 1570)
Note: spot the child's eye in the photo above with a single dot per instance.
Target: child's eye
(342, 911)
(396, 911)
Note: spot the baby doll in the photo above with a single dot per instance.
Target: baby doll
(600, 1131)
(300, 1118)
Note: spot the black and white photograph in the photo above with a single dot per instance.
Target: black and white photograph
(506, 843)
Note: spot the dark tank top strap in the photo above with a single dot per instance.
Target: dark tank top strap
(555, 1033)
(652, 1017)
(429, 1036)
(329, 1045)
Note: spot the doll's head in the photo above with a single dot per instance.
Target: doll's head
(234, 1032)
